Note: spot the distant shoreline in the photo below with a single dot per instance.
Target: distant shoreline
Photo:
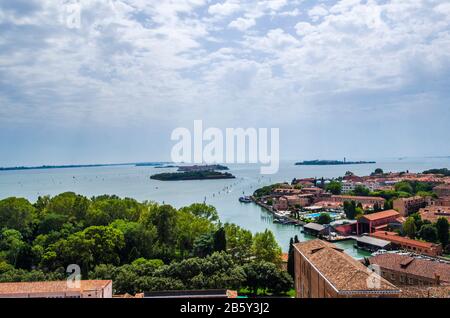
(79, 166)
(331, 163)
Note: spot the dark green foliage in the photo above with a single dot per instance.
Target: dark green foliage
(442, 227)
(334, 187)
(141, 246)
(324, 218)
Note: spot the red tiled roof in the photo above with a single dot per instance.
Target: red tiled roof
(413, 266)
(381, 215)
(355, 197)
(394, 237)
(51, 287)
(340, 269)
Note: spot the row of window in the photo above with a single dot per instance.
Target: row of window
(404, 279)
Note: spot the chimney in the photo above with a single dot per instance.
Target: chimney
(437, 278)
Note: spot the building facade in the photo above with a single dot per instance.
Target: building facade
(407, 206)
(419, 247)
(324, 271)
(442, 190)
(403, 270)
(370, 223)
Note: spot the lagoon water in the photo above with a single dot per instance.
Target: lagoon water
(135, 182)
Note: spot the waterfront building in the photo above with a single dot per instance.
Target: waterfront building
(407, 206)
(324, 271)
(372, 244)
(406, 270)
(314, 229)
(286, 191)
(57, 289)
(376, 221)
(419, 247)
(434, 212)
(344, 227)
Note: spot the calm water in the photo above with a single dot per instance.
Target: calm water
(135, 182)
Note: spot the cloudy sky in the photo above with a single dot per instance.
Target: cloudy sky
(350, 78)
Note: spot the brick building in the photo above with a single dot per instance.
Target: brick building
(442, 190)
(324, 271)
(407, 206)
(433, 213)
(415, 246)
(405, 270)
(376, 221)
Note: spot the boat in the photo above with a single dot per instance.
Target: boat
(245, 199)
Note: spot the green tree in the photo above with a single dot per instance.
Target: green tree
(139, 240)
(334, 187)
(11, 245)
(220, 241)
(239, 242)
(204, 245)
(17, 214)
(429, 233)
(324, 218)
(350, 209)
(202, 210)
(404, 186)
(409, 227)
(378, 171)
(189, 228)
(266, 248)
(267, 277)
(290, 263)
(442, 227)
(361, 191)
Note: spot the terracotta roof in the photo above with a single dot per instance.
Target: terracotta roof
(433, 213)
(394, 237)
(425, 292)
(51, 287)
(413, 266)
(381, 215)
(341, 270)
(354, 197)
(284, 257)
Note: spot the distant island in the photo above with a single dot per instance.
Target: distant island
(57, 167)
(192, 175)
(152, 164)
(79, 166)
(443, 171)
(331, 163)
(202, 168)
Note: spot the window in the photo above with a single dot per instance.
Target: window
(393, 276)
(411, 281)
(402, 279)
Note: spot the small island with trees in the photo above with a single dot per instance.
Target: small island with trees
(192, 175)
(331, 162)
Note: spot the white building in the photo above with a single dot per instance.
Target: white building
(348, 186)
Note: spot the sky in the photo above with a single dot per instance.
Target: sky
(104, 81)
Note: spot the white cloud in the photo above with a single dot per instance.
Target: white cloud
(226, 8)
(242, 24)
(303, 28)
(317, 12)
